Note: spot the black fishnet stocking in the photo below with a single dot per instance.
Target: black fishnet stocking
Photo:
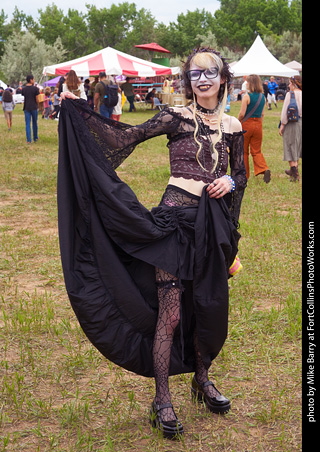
(201, 373)
(169, 295)
(168, 319)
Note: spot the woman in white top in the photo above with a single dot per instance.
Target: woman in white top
(73, 85)
(292, 131)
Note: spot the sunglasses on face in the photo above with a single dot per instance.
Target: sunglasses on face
(195, 74)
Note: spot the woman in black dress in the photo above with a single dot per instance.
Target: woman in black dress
(147, 272)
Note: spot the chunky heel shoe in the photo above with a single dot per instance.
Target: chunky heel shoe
(218, 404)
(170, 429)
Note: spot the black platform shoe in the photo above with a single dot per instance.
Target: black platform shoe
(170, 429)
(218, 404)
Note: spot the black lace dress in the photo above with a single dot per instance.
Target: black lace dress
(111, 244)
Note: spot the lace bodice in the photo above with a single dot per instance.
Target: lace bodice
(183, 161)
(117, 140)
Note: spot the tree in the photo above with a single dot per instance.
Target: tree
(20, 21)
(237, 21)
(5, 31)
(25, 54)
(75, 35)
(109, 27)
(182, 34)
(51, 24)
(142, 31)
(210, 41)
(285, 48)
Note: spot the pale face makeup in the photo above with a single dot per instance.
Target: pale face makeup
(206, 89)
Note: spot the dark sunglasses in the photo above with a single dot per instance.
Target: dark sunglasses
(195, 74)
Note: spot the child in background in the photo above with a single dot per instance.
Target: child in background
(117, 110)
(46, 103)
(40, 103)
(56, 104)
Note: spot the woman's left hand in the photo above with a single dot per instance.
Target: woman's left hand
(218, 188)
(281, 129)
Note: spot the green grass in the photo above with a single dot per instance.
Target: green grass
(57, 393)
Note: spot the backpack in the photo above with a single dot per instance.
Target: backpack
(292, 111)
(111, 95)
(7, 96)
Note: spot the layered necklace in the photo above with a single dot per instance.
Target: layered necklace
(207, 114)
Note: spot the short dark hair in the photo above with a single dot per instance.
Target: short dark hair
(102, 74)
(29, 78)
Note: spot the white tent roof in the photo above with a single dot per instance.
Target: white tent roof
(294, 65)
(4, 85)
(112, 62)
(258, 60)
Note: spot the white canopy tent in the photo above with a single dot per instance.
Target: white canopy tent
(112, 62)
(4, 85)
(294, 65)
(259, 60)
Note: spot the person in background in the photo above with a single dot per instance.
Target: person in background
(150, 97)
(291, 132)
(56, 104)
(100, 94)
(92, 91)
(8, 106)
(272, 86)
(265, 89)
(166, 86)
(244, 87)
(30, 108)
(40, 103)
(61, 82)
(251, 116)
(74, 85)
(86, 87)
(46, 103)
(19, 88)
(117, 110)
(127, 88)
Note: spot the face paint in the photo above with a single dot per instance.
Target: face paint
(205, 87)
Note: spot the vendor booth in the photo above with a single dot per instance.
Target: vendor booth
(112, 62)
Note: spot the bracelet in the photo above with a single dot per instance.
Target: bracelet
(231, 182)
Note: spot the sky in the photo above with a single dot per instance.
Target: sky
(165, 11)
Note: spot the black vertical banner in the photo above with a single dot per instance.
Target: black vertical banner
(310, 319)
(310, 278)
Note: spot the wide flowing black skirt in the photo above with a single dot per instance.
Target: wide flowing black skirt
(110, 245)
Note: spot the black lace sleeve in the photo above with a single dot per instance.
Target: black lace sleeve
(238, 174)
(236, 158)
(115, 139)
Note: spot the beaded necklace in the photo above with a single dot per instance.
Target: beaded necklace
(203, 131)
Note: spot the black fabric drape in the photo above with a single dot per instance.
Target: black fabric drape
(110, 244)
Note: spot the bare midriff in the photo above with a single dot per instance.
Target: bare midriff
(192, 186)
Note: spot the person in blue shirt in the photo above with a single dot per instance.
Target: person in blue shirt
(272, 86)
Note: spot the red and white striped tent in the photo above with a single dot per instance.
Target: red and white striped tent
(112, 62)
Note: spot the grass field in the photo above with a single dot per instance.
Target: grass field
(57, 393)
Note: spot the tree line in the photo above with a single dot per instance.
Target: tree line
(232, 29)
